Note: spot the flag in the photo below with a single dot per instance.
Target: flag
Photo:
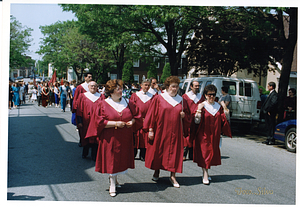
(53, 79)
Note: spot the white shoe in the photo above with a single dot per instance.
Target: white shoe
(205, 182)
(176, 185)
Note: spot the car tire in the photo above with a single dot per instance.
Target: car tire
(291, 140)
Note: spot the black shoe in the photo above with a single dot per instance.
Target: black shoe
(266, 142)
(142, 159)
(272, 142)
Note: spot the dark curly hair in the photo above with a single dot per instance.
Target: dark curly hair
(111, 85)
(209, 88)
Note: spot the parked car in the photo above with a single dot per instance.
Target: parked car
(245, 97)
(286, 132)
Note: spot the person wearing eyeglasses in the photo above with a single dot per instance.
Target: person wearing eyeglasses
(86, 103)
(142, 100)
(211, 121)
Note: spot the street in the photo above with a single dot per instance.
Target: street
(45, 164)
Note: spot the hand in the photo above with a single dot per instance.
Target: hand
(200, 106)
(182, 114)
(79, 125)
(269, 114)
(151, 135)
(156, 86)
(130, 123)
(290, 109)
(120, 124)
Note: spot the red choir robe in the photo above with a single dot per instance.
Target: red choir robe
(207, 138)
(141, 101)
(115, 147)
(166, 150)
(82, 88)
(192, 100)
(85, 107)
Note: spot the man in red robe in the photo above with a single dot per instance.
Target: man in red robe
(86, 103)
(82, 88)
(154, 88)
(142, 100)
(193, 98)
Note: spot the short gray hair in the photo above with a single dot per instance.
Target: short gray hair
(146, 80)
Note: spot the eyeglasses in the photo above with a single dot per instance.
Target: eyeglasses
(211, 94)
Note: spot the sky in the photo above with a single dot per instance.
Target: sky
(36, 15)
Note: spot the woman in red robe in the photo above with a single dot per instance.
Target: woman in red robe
(45, 95)
(166, 119)
(142, 100)
(212, 121)
(113, 123)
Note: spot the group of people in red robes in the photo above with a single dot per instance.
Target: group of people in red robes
(159, 123)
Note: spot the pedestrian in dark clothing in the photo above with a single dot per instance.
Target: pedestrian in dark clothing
(269, 109)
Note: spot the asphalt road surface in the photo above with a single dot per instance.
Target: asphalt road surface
(45, 164)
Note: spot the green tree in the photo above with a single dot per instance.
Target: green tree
(127, 75)
(103, 24)
(228, 42)
(64, 46)
(166, 72)
(145, 28)
(152, 70)
(19, 44)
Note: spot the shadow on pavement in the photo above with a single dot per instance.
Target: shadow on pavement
(10, 196)
(38, 153)
(164, 183)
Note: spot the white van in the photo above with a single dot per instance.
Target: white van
(245, 97)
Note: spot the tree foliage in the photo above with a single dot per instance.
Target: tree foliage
(166, 72)
(145, 27)
(64, 46)
(152, 70)
(230, 41)
(19, 44)
(127, 75)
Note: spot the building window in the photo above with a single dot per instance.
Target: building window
(166, 60)
(113, 76)
(156, 61)
(136, 78)
(136, 63)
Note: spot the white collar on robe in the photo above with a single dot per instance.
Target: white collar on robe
(85, 85)
(118, 106)
(93, 97)
(153, 91)
(193, 96)
(144, 97)
(212, 109)
(172, 100)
